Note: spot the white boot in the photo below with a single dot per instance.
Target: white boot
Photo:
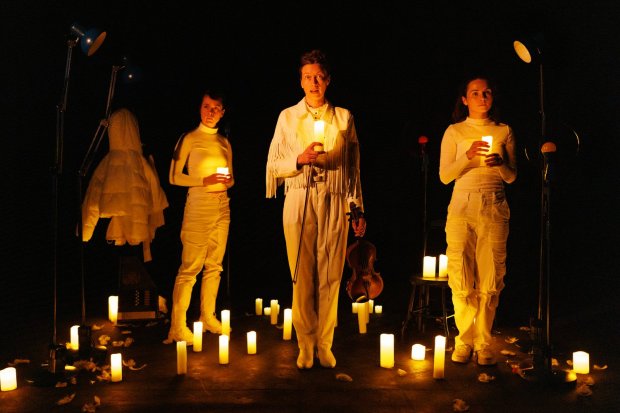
(208, 296)
(181, 297)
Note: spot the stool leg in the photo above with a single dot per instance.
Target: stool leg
(444, 312)
(409, 312)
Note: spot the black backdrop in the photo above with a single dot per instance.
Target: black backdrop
(396, 66)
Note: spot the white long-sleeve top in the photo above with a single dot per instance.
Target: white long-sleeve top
(473, 175)
(198, 154)
(340, 163)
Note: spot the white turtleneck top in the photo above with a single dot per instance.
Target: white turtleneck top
(198, 154)
(473, 175)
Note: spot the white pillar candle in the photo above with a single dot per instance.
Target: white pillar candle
(418, 352)
(226, 322)
(581, 362)
(259, 306)
(319, 134)
(251, 342)
(274, 311)
(288, 324)
(222, 170)
(224, 349)
(113, 308)
(116, 367)
(197, 336)
(361, 318)
(267, 311)
(440, 357)
(386, 359)
(429, 266)
(378, 309)
(354, 307)
(371, 306)
(8, 379)
(75, 338)
(181, 357)
(489, 140)
(443, 265)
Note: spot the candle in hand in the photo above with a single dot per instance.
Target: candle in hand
(319, 134)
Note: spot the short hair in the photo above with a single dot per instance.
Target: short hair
(315, 56)
(461, 111)
(215, 94)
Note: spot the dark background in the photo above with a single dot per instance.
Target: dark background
(396, 66)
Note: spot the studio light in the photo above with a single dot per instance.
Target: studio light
(90, 39)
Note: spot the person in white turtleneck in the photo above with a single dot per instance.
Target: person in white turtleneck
(478, 215)
(196, 164)
(319, 168)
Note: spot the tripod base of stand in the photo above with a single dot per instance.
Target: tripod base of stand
(553, 377)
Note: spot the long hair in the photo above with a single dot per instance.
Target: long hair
(461, 111)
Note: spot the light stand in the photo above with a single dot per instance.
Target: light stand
(90, 40)
(542, 370)
(84, 331)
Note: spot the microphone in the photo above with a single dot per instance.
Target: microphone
(547, 149)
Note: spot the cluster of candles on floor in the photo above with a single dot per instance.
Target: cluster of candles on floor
(8, 376)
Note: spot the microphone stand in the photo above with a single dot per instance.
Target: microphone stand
(84, 330)
(424, 166)
(542, 367)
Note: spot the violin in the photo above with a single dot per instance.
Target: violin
(365, 283)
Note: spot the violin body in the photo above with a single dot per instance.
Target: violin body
(365, 282)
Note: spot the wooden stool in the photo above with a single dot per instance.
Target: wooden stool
(419, 302)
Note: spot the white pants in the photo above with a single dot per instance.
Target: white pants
(323, 250)
(476, 234)
(204, 233)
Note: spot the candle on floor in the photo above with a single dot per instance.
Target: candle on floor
(429, 266)
(361, 318)
(259, 306)
(443, 265)
(378, 309)
(371, 306)
(116, 367)
(251, 342)
(8, 379)
(224, 349)
(440, 357)
(288, 324)
(181, 357)
(387, 351)
(226, 322)
(275, 307)
(267, 311)
(113, 308)
(75, 338)
(197, 336)
(418, 352)
(581, 362)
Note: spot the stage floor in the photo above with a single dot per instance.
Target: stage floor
(270, 382)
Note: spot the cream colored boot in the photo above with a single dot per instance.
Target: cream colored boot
(179, 331)
(208, 296)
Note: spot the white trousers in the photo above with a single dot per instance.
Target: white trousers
(476, 234)
(323, 250)
(204, 233)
